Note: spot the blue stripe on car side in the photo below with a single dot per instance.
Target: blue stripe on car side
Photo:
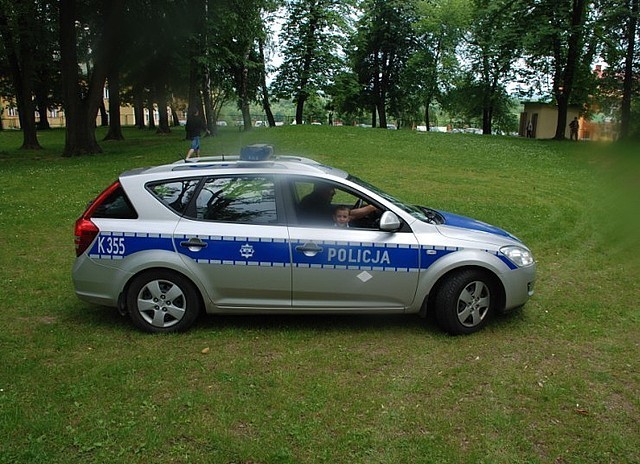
(264, 252)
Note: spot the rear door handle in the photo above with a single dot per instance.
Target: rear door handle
(309, 249)
(194, 244)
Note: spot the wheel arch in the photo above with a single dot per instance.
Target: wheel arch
(122, 298)
(429, 300)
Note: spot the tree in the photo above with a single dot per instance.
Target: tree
(383, 45)
(618, 86)
(154, 66)
(632, 30)
(348, 98)
(554, 45)
(312, 34)
(432, 68)
(82, 98)
(231, 62)
(17, 27)
(494, 42)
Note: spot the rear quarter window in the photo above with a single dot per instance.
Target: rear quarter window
(116, 206)
(175, 194)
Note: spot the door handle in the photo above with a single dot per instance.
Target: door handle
(309, 249)
(194, 244)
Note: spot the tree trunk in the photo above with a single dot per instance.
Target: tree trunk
(265, 90)
(194, 85)
(104, 116)
(175, 120)
(41, 102)
(138, 107)
(152, 115)
(209, 113)
(163, 115)
(300, 108)
(77, 140)
(627, 86)
(427, 105)
(565, 86)
(487, 116)
(115, 128)
(382, 113)
(81, 111)
(244, 92)
(22, 72)
(163, 118)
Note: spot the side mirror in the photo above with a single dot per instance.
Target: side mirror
(389, 222)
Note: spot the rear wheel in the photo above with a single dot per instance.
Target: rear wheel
(162, 301)
(465, 301)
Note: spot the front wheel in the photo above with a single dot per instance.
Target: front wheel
(162, 301)
(465, 301)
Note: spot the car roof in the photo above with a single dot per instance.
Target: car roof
(234, 164)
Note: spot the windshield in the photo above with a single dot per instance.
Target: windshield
(415, 211)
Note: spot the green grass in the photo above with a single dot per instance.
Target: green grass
(556, 382)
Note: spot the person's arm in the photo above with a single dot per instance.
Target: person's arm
(359, 213)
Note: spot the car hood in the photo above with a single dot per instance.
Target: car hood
(456, 226)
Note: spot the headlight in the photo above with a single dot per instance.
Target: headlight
(521, 257)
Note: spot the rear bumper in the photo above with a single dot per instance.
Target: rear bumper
(96, 283)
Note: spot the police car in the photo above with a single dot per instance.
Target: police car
(236, 235)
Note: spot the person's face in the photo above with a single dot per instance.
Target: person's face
(341, 217)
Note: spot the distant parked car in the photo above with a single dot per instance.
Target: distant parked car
(255, 234)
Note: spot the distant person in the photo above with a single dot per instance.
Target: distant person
(342, 216)
(194, 127)
(529, 130)
(574, 126)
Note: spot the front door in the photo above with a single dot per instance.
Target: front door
(357, 267)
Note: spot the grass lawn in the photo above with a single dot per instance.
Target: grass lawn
(556, 382)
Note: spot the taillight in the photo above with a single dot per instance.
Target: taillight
(85, 230)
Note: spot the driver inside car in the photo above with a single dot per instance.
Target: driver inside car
(316, 207)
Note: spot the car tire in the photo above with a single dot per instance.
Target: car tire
(465, 301)
(162, 301)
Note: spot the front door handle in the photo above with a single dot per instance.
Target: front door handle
(309, 249)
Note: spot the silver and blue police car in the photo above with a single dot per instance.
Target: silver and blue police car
(256, 233)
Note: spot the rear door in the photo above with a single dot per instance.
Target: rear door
(235, 238)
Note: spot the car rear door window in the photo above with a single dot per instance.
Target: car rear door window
(239, 199)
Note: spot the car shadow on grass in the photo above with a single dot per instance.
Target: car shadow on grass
(101, 316)
(89, 315)
(105, 317)
(318, 323)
